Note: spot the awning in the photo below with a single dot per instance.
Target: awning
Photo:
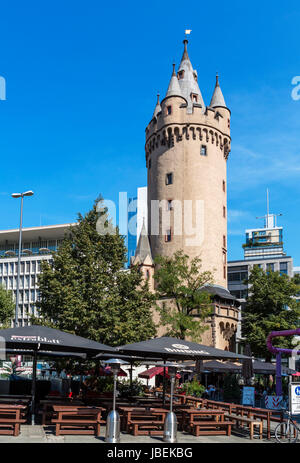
(151, 372)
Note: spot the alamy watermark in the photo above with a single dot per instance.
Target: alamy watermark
(2, 88)
(296, 89)
(168, 218)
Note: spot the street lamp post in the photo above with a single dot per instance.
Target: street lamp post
(20, 195)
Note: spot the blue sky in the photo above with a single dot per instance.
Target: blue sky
(82, 79)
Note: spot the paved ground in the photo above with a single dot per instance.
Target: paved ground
(39, 434)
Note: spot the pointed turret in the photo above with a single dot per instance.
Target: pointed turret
(143, 249)
(174, 87)
(188, 81)
(157, 107)
(217, 98)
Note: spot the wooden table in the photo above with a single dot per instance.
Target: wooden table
(11, 418)
(262, 413)
(132, 417)
(194, 419)
(47, 407)
(71, 419)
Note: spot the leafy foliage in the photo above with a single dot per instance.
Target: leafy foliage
(270, 307)
(7, 307)
(180, 280)
(87, 291)
(136, 389)
(193, 388)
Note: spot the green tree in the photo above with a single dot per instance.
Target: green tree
(7, 307)
(270, 306)
(87, 291)
(184, 305)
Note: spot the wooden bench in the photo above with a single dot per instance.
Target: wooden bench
(79, 421)
(10, 420)
(206, 428)
(147, 427)
(249, 421)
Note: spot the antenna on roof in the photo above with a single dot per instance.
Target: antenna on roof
(270, 219)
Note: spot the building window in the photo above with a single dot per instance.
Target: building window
(169, 205)
(224, 272)
(180, 75)
(194, 97)
(168, 236)
(283, 268)
(203, 150)
(224, 241)
(270, 268)
(169, 178)
(169, 110)
(149, 164)
(224, 212)
(224, 186)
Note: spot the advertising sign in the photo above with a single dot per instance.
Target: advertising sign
(295, 398)
(249, 396)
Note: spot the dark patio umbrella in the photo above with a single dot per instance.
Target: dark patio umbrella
(172, 348)
(41, 338)
(175, 349)
(247, 366)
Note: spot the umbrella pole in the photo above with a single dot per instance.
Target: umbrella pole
(33, 387)
(130, 377)
(164, 385)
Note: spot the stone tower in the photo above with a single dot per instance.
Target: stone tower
(187, 147)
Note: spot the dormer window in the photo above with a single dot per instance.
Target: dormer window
(194, 97)
(180, 75)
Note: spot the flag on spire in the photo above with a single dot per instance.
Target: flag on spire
(188, 31)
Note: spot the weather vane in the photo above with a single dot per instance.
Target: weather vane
(187, 32)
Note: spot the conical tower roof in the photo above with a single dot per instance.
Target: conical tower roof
(188, 82)
(174, 87)
(217, 98)
(143, 249)
(157, 107)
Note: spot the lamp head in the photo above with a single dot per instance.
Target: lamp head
(115, 365)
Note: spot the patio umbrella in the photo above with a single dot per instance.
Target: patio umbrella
(247, 366)
(169, 348)
(41, 338)
(172, 348)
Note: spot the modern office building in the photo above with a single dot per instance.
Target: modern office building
(38, 244)
(263, 248)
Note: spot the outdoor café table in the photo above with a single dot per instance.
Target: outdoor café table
(18, 410)
(194, 415)
(262, 413)
(130, 414)
(47, 407)
(68, 410)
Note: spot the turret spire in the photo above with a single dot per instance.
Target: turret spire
(174, 87)
(217, 98)
(188, 81)
(157, 107)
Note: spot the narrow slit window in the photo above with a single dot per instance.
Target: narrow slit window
(203, 150)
